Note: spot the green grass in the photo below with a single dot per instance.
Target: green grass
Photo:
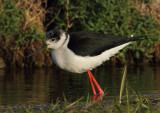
(122, 83)
(138, 104)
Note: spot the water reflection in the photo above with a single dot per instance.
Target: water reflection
(47, 84)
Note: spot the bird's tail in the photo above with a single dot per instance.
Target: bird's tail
(136, 38)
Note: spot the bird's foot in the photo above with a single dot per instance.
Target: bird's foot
(97, 98)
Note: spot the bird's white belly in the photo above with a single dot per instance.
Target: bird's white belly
(67, 60)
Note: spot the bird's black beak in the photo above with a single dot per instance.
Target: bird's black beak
(42, 47)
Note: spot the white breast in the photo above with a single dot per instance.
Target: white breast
(67, 60)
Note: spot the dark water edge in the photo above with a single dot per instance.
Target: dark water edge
(46, 85)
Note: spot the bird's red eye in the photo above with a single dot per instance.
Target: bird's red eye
(53, 39)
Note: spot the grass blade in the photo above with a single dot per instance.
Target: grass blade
(70, 105)
(122, 83)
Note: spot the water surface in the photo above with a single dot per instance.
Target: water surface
(46, 85)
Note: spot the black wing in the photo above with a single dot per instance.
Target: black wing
(92, 44)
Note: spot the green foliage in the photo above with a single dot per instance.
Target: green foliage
(137, 104)
(110, 17)
(10, 19)
(11, 24)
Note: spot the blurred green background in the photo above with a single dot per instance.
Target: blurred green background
(23, 25)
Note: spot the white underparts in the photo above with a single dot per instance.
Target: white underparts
(67, 60)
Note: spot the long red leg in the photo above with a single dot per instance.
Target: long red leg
(90, 78)
(96, 83)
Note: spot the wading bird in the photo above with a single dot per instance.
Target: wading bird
(81, 51)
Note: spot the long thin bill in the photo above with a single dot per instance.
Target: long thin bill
(42, 47)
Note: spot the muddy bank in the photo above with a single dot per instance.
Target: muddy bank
(151, 105)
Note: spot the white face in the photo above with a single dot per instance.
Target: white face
(55, 39)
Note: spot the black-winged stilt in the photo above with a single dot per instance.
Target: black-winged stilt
(79, 52)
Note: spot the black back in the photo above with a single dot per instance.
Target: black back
(91, 44)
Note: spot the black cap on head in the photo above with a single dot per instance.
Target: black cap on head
(54, 34)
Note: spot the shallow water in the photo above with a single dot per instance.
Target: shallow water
(46, 85)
